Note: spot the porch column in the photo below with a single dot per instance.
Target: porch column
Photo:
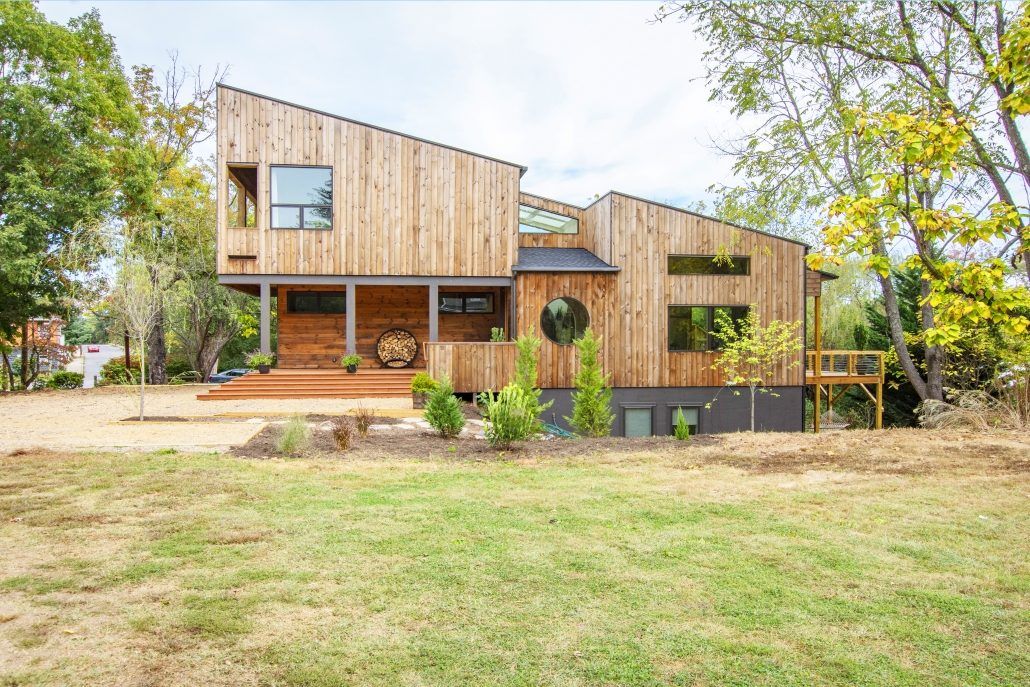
(351, 318)
(434, 311)
(266, 304)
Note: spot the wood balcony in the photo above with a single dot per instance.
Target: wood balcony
(472, 366)
(844, 367)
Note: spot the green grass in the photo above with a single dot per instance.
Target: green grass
(212, 570)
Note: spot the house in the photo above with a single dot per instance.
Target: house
(364, 235)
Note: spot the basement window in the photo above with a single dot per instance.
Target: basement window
(302, 197)
(691, 416)
(536, 221)
(241, 196)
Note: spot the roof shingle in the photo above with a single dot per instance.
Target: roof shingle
(533, 259)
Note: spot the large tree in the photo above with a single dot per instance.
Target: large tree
(66, 118)
(800, 73)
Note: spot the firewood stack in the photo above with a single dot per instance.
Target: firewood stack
(397, 348)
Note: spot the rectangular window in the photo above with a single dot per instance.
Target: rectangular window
(690, 416)
(636, 422)
(739, 265)
(469, 303)
(536, 221)
(302, 197)
(241, 196)
(316, 302)
(691, 326)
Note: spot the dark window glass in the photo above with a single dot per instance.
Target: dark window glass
(242, 188)
(636, 422)
(322, 302)
(472, 303)
(302, 197)
(564, 320)
(691, 327)
(736, 313)
(707, 264)
(690, 416)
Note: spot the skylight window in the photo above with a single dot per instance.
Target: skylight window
(536, 221)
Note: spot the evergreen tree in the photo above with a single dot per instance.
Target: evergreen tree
(592, 414)
(443, 410)
(528, 346)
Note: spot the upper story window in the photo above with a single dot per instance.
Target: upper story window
(691, 326)
(302, 197)
(739, 265)
(241, 195)
(536, 221)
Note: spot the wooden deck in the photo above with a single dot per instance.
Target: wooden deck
(832, 373)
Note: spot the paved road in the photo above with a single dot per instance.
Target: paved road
(90, 364)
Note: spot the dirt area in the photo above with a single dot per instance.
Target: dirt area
(91, 419)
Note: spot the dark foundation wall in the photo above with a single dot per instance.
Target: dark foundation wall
(728, 413)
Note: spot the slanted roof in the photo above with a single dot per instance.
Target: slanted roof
(533, 259)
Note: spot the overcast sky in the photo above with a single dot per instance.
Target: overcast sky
(589, 96)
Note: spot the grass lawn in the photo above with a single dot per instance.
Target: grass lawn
(855, 559)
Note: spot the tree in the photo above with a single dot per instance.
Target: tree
(528, 347)
(138, 301)
(66, 120)
(807, 71)
(751, 355)
(443, 410)
(592, 414)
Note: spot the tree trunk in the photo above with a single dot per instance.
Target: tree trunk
(934, 356)
(157, 350)
(142, 375)
(23, 373)
(8, 372)
(897, 334)
(752, 409)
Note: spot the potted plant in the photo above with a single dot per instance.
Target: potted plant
(421, 384)
(351, 362)
(262, 361)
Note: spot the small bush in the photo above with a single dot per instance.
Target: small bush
(363, 418)
(295, 437)
(511, 415)
(63, 379)
(422, 383)
(592, 414)
(350, 360)
(114, 372)
(443, 410)
(342, 432)
(256, 358)
(681, 429)
(497, 334)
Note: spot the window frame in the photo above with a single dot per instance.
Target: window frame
(672, 415)
(544, 232)
(292, 292)
(301, 206)
(734, 258)
(544, 309)
(623, 407)
(710, 344)
(464, 296)
(241, 189)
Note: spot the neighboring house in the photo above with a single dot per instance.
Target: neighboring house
(41, 341)
(358, 230)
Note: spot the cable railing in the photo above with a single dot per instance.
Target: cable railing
(845, 363)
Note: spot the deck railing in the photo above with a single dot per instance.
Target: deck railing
(845, 364)
(471, 365)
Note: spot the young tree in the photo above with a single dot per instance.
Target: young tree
(526, 363)
(592, 401)
(137, 302)
(751, 354)
(443, 410)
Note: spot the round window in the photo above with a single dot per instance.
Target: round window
(564, 319)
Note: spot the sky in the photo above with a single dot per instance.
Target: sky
(589, 96)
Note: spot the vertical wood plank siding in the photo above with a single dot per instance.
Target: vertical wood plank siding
(472, 367)
(401, 206)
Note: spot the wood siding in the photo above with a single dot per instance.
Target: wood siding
(594, 226)
(401, 206)
(472, 367)
(630, 308)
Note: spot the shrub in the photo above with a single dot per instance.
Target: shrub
(443, 410)
(681, 429)
(342, 431)
(350, 359)
(592, 414)
(528, 346)
(114, 372)
(497, 334)
(363, 418)
(422, 383)
(295, 436)
(511, 415)
(256, 358)
(1007, 408)
(63, 379)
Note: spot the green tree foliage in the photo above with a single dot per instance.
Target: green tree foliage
(592, 414)
(750, 354)
(66, 117)
(681, 430)
(64, 379)
(526, 362)
(512, 414)
(443, 410)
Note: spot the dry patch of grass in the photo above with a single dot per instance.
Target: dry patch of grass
(855, 558)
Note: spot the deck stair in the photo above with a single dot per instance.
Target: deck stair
(315, 383)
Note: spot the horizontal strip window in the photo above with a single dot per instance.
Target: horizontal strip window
(302, 197)
(467, 303)
(719, 265)
(536, 221)
(691, 327)
(316, 302)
